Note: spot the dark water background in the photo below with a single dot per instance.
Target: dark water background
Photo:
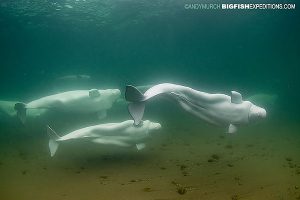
(149, 42)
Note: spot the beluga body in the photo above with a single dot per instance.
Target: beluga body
(123, 134)
(218, 109)
(77, 102)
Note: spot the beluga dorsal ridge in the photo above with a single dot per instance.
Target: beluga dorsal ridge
(218, 109)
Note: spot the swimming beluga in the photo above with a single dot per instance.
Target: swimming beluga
(77, 101)
(218, 109)
(123, 134)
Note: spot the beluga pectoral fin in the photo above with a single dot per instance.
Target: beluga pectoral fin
(140, 146)
(232, 128)
(236, 97)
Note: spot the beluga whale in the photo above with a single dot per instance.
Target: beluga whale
(218, 109)
(123, 134)
(77, 102)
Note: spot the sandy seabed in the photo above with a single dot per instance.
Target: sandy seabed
(180, 162)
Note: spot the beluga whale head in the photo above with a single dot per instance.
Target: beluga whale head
(149, 125)
(256, 113)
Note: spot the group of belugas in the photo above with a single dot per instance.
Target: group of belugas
(218, 109)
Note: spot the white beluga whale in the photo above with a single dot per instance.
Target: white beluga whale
(123, 134)
(218, 109)
(77, 102)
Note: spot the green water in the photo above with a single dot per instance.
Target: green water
(145, 43)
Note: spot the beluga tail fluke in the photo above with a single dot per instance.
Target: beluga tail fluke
(53, 141)
(137, 106)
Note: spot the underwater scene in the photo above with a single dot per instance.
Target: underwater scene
(154, 100)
